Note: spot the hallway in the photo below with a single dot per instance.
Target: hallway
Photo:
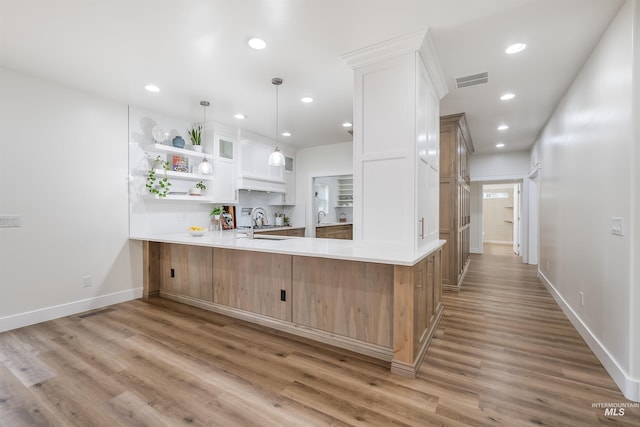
(505, 347)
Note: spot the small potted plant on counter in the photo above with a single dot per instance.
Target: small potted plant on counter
(279, 219)
(195, 135)
(216, 212)
(198, 189)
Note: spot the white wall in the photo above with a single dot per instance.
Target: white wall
(586, 169)
(634, 300)
(475, 229)
(64, 171)
(509, 165)
(323, 160)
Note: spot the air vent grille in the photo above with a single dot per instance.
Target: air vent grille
(472, 80)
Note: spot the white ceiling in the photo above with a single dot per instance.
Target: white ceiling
(196, 50)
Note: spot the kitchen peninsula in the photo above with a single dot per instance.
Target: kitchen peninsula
(382, 303)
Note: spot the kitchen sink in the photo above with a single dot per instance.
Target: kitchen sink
(269, 237)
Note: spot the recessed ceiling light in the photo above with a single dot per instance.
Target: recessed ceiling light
(515, 48)
(256, 43)
(240, 116)
(499, 145)
(503, 127)
(507, 96)
(286, 133)
(347, 124)
(152, 88)
(306, 99)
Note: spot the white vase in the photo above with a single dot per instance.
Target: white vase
(197, 148)
(195, 191)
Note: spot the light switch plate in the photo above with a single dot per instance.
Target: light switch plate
(10, 221)
(616, 226)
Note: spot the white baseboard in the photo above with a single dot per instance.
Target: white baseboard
(630, 387)
(55, 312)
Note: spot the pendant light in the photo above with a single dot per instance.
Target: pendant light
(276, 158)
(204, 167)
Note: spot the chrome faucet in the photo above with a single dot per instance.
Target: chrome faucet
(321, 212)
(257, 221)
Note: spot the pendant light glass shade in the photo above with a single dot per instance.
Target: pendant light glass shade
(205, 167)
(276, 158)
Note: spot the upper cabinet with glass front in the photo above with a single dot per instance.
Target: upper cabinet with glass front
(289, 175)
(225, 166)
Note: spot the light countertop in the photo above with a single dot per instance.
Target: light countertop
(332, 224)
(301, 246)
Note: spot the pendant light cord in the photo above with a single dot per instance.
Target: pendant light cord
(204, 104)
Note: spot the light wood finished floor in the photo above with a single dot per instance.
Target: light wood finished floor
(504, 355)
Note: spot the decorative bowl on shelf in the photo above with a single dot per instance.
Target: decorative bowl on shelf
(196, 231)
(158, 134)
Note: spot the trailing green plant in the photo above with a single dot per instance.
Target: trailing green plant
(201, 186)
(217, 211)
(195, 135)
(159, 187)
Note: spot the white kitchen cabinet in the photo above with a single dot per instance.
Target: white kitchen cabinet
(224, 147)
(255, 172)
(397, 91)
(287, 198)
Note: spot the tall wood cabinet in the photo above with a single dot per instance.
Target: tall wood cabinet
(455, 217)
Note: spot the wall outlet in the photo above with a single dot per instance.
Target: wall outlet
(87, 281)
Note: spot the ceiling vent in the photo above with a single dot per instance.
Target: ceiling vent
(475, 79)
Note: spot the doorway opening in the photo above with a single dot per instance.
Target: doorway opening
(501, 226)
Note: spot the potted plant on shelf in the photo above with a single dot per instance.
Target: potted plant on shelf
(198, 189)
(216, 212)
(195, 135)
(158, 187)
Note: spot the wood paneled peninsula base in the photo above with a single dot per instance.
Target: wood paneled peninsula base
(388, 308)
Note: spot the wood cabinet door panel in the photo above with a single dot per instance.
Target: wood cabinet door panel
(422, 301)
(192, 270)
(349, 298)
(253, 281)
(335, 232)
